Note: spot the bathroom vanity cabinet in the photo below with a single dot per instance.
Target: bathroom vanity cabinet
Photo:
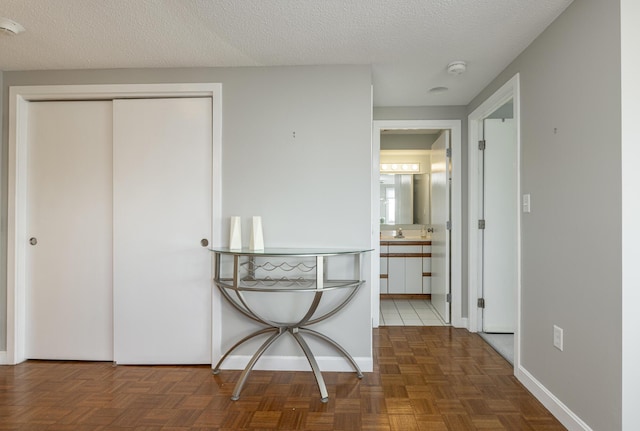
(405, 267)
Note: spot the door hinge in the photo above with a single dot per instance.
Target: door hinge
(480, 302)
(449, 225)
(448, 297)
(482, 145)
(481, 224)
(448, 152)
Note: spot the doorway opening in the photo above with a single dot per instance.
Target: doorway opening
(417, 244)
(494, 221)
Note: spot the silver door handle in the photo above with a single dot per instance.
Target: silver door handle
(204, 242)
(33, 240)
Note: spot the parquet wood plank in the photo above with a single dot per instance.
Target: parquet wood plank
(424, 378)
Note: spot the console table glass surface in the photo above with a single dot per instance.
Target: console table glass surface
(290, 251)
(239, 274)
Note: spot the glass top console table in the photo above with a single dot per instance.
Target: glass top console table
(287, 290)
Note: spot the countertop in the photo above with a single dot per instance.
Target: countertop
(407, 240)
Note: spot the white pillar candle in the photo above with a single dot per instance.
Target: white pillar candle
(235, 234)
(257, 241)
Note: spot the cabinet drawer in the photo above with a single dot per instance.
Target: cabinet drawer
(384, 249)
(403, 249)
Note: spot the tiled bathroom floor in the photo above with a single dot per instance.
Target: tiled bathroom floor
(408, 312)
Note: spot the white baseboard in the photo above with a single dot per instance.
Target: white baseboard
(464, 323)
(566, 417)
(296, 363)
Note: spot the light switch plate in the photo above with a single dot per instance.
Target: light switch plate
(558, 337)
(526, 203)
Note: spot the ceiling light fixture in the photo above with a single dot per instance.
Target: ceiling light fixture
(457, 67)
(9, 27)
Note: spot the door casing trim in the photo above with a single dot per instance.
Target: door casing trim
(510, 90)
(455, 126)
(19, 98)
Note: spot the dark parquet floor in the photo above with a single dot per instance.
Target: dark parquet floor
(425, 378)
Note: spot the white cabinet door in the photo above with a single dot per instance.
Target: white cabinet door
(413, 275)
(162, 210)
(405, 272)
(69, 206)
(426, 285)
(396, 278)
(383, 286)
(383, 265)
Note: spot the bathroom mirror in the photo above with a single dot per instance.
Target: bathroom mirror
(404, 199)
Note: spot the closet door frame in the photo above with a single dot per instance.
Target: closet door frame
(19, 98)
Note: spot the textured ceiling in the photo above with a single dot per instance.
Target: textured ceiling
(408, 42)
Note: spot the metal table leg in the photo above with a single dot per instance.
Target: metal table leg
(324, 395)
(216, 369)
(243, 377)
(337, 346)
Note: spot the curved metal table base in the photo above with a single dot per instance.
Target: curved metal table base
(296, 329)
(296, 333)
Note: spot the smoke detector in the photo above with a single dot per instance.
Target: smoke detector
(9, 27)
(457, 67)
(438, 90)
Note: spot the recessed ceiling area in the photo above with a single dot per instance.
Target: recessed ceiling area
(408, 43)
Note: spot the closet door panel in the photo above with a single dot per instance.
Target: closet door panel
(162, 211)
(69, 205)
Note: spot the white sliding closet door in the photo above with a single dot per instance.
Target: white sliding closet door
(162, 151)
(69, 208)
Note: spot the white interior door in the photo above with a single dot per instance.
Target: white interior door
(162, 211)
(440, 215)
(69, 206)
(500, 233)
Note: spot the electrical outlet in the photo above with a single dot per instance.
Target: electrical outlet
(558, 338)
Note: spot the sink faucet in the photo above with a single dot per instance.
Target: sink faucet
(399, 234)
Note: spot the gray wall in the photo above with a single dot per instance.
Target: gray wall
(441, 113)
(313, 190)
(571, 240)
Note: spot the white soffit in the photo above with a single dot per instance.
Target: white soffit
(408, 42)
(410, 131)
(391, 153)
